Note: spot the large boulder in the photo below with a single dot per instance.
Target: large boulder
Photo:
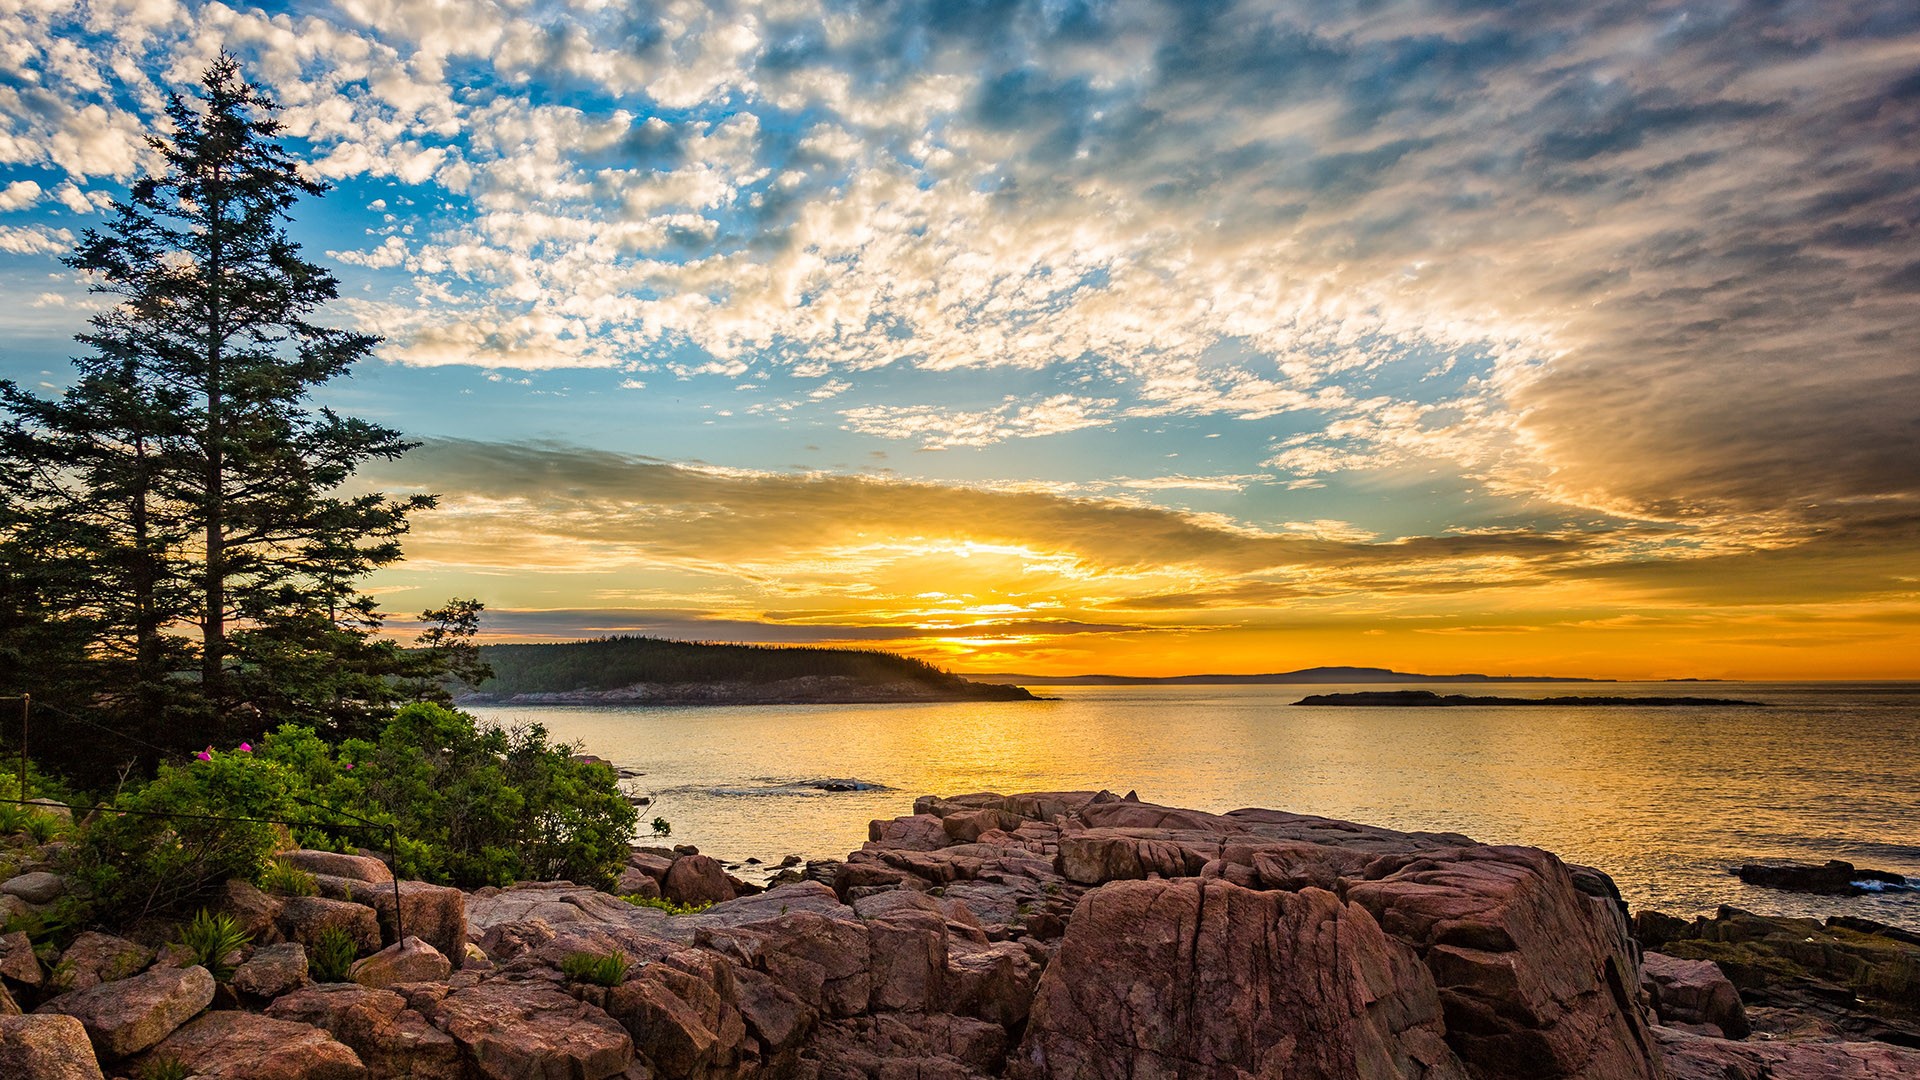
(531, 1031)
(257, 912)
(436, 914)
(305, 918)
(410, 961)
(246, 1046)
(94, 958)
(697, 880)
(681, 1015)
(392, 1039)
(46, 1047)
(1693, 992)
(1537, 977)
(1206, 979)
(128, 1015)
(272, 971)
(364, 868)
(18, 962)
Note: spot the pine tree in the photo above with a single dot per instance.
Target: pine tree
(214, 486)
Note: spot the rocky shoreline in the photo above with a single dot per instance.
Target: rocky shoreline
(1062, 934)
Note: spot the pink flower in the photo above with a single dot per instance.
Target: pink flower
(205, 755)
(349, 765)
(246, 748)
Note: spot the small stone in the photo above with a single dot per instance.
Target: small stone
(38, 887)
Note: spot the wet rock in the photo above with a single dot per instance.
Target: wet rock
(411, 960)
(1693, 992)
(272, 971)
(37, 887)
(1208, 979)
(246, 1046)
(695, 880)
(128, 1015)
(94, 958)
(1834, 878)
(520, 1030)
(46, 1048)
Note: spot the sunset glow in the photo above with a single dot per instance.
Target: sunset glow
(1135, 338)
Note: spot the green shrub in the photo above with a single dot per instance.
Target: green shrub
(332, 955)
(211, 938)
(165, 1068)
(471, 806)
(286, 879)
(142, 863)
(660, 903)
(601, 969)
(662, 827)
(485, 806)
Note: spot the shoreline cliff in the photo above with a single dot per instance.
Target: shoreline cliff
(1033, 936)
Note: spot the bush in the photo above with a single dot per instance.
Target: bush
(485, 806)
(472, 806)
(660, 903)
(601, 969)
(143, 863)
(211, 939)
(332, 955)
(288, 880)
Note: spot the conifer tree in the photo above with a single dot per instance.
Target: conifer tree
(186, 464)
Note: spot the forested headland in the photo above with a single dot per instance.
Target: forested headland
(640, 670)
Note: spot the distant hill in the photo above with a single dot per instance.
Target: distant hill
(1304, 675)
(656, 671)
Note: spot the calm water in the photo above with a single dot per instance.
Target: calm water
(1665, 800)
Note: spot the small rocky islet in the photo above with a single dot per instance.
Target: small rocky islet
(1063, 934)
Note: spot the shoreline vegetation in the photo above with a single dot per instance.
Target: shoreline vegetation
(655, 671)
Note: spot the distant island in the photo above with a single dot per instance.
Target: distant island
(1427, 698)
(1304, 675)
(654, 671)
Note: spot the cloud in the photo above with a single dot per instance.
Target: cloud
(20, 193)
(1617, 259)
(941, 429)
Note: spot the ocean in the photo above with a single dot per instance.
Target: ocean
(1666, 800)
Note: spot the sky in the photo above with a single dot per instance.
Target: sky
(1053, 337)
